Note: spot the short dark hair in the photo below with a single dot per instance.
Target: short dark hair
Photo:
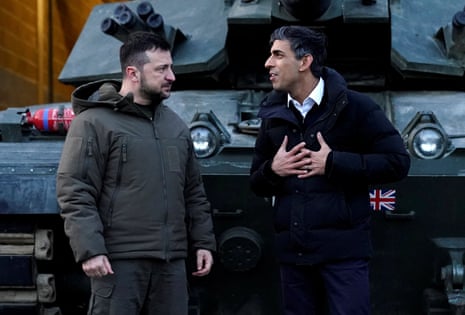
(133, 51)
(303, 41)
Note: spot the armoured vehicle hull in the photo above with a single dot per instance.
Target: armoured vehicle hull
(407, 55)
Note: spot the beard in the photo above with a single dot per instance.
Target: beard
(155, 95)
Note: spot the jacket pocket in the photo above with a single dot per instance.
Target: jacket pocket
(102, 291)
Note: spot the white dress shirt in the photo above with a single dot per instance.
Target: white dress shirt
(315, 97)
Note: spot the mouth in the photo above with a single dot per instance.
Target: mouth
(273, 76)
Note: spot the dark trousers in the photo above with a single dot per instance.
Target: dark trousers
(141, 287)
(340, 288)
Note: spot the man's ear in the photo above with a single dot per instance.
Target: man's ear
(305, 62)
(132, 73)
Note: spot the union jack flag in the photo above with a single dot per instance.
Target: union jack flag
(383, 199)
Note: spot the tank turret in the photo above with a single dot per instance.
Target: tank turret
(408, 55)
(376, 44)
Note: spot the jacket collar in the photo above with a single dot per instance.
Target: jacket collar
(103, 93)
(275, 104)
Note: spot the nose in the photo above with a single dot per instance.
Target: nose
(268, 63)
(170, 75)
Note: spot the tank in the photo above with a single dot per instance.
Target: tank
(407, 55)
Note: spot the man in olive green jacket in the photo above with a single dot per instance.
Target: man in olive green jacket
(130, 189)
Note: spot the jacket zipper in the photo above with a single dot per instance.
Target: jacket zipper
(164, 184)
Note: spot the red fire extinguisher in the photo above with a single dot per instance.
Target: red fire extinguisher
(53, 119)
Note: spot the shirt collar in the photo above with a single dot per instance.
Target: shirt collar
(315, 96)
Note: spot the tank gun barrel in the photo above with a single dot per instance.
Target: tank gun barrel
(131, 21)
(155, 22)
(144, 10)
(125, 21)
(152, 19)
(111, 27)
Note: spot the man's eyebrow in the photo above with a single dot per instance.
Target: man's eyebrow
(277, 51)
